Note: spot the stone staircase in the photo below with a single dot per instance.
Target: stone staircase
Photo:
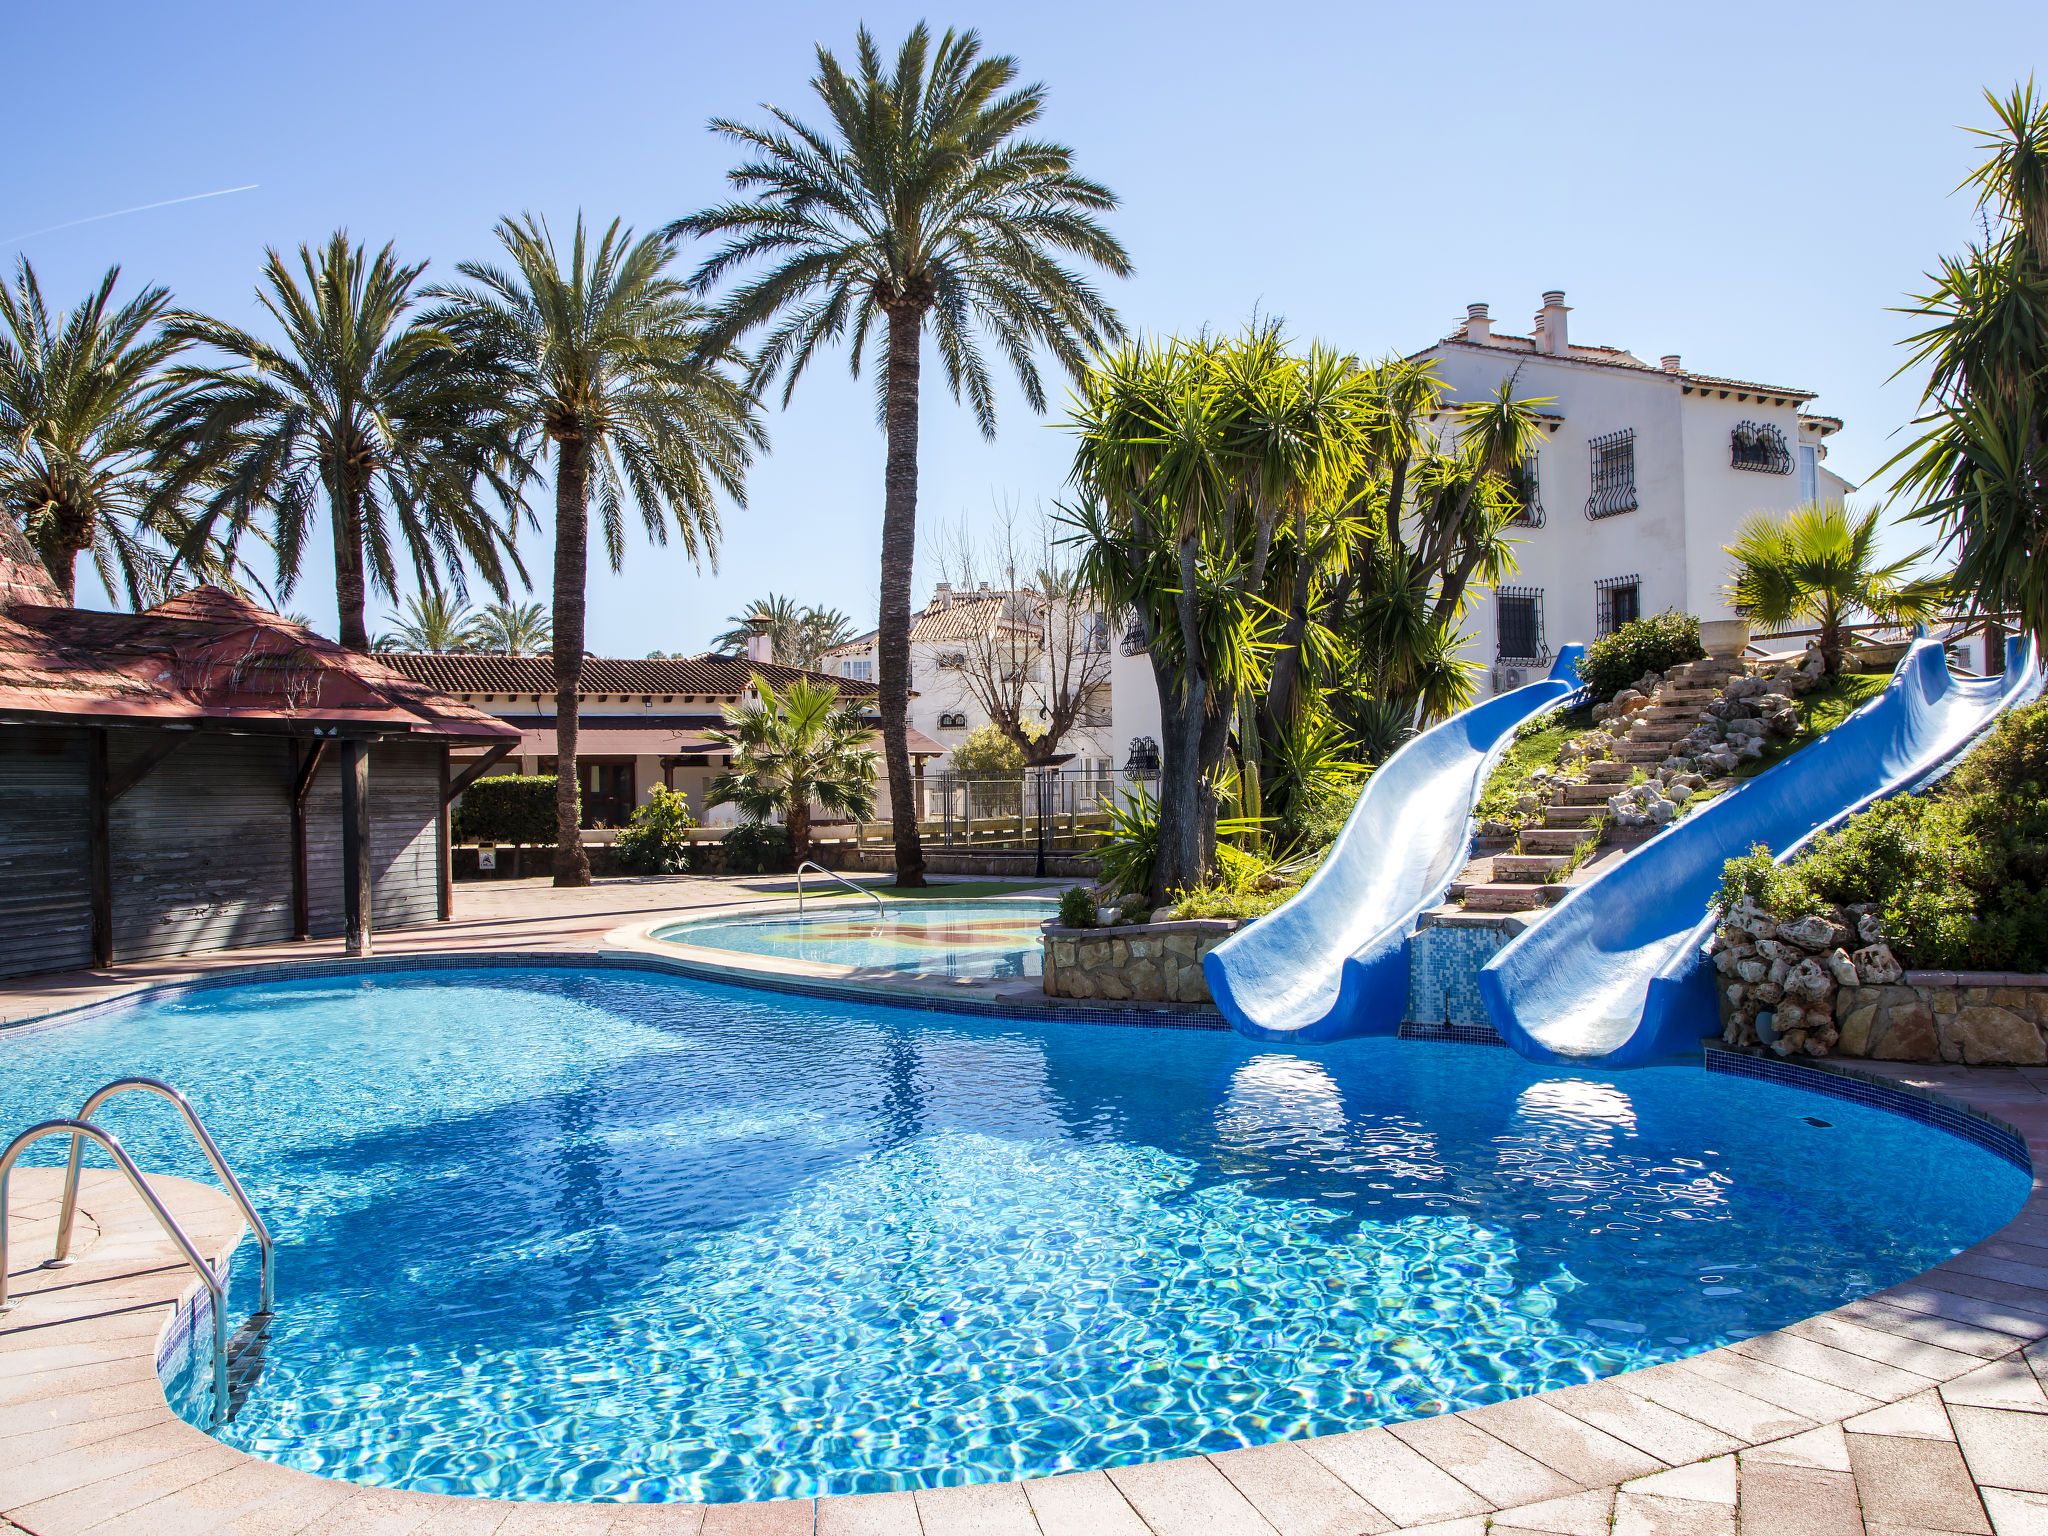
(1532, 875)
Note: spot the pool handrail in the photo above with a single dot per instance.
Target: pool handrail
(215, 1290)
(206, 1144)
(880, 910)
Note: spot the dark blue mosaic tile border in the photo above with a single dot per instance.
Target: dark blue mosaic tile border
(1972, 1125)
(289, 970)
(1458, 1034)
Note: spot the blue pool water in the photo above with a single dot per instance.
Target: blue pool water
(931, 938)
(586, 1234)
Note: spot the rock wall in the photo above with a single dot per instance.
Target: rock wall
(1142, 962)
(1981, 1018)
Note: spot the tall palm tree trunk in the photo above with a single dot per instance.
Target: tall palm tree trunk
(572, 560)
(60, 554)
(1180, 864)
(899, 550)
(345, 513)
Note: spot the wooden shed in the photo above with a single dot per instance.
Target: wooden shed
(205, 775)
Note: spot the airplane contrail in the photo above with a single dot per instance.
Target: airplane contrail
(139, 208)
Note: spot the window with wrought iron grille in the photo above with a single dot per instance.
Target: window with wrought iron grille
(950, 722)
(1527, 487)
(1759, 446)
(1614, 474)
(1618, 600)
(1518, 624)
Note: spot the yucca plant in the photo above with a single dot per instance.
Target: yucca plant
(1817, 566)
(922, 203)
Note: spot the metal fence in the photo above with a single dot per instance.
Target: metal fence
(1053, 807)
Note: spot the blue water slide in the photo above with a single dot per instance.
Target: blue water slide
(1333, 962)
(1616, 976)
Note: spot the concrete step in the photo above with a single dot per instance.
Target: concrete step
(1660, 730)
(1610, 772)
(1645, 751)
(1660, 714)
(1537, 868)
(1503, 898)
(1587, 794)
(1569, 816)
(1548, 840)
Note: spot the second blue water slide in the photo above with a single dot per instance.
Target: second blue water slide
(1333, 962)
(1615, 976)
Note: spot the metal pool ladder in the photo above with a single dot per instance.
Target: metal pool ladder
(243, 1357)
(880, 910)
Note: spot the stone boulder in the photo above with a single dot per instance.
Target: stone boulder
(1815, 933)
(1877, 966)
(1810, 982)
(1843, 969)
(1869, 929)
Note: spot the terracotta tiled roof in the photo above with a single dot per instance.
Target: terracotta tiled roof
(663, 676)
(966, 618)
(1616, 357)
(207, 657)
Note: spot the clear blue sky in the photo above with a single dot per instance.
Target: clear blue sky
(1752, 186)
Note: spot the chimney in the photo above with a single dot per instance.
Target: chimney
(1552, 322)
(942, 596)
(1478, 328)
(1670, 361)
(760, 646)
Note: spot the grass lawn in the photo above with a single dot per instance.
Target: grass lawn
(1538, 749)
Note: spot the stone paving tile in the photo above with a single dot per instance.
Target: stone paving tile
(656, 1520)
(1822, 1449)
(1395, 1479)
(1188, 1498)
(1797, 1501)
(23, 1483)
(1815, 1400)
(545, 1520)
(2004, 1450)
(1581, 1514)
(1471, 1525)
(1567, 1445)
(375, 1512)
(253, 1498)
(1920, 1417)
(1638, 1514)
(976, 1509)
(1948, 1333)
(1703, 1482)
(1822, 1362)
(1888, 1348)
(1936, 1302)
(1489, 1467)
(1670, 1437)
(1082, 1504)
(775, 1517)
(2017, 1514)
(2027, 1299)
(1296, 1494)
(2007, 1383)
(1916, 1482)
(79, 1508)
(1735, 1414)
(869, 1514)
(2033, 1276)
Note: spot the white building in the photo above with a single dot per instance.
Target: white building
(961, 635)
(1646, 473)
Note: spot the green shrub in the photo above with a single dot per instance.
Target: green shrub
(1077, 908)
(1312, 824)
(1656, 644)
(756, 848)
(656, 841)
(509, 809)
(1130, 849)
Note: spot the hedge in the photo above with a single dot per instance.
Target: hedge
(509, 809)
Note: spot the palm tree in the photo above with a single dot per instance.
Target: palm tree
(1814, 565)
(77, 395)
(921, 202)
(513, 629)
(797, 637)
(791, 751)
(606, 359)
(435, 623)
(391, 420)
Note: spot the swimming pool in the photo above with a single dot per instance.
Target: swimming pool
(989, 939)
(596, 1234)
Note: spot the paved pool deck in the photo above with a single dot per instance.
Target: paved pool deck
(1922, 1408)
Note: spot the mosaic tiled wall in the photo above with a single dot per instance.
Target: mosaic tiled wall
(1443, 974)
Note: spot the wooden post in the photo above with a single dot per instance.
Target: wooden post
(305, 763)
(443, 833)
(99, 848)
(356, 891)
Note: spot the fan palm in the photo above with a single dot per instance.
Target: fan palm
(77, 394)
(605, 358)
(435, 623)
(793, 750)
(1816, 565)
(922, 202)
(389, 420)
(513, 629)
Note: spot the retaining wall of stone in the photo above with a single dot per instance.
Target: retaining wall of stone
(1139, 962)
(1980, 1018)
